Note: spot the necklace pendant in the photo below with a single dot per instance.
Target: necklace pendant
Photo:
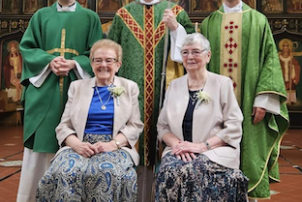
(103, 107)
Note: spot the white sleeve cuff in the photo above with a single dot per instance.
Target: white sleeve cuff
(176, 38)
(270, 102)
(80, 73)
(38, 80)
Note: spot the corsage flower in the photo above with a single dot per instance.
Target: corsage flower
(116, 92)
(202, 97)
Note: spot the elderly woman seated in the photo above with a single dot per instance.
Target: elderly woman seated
(201, 125)
(97, 133)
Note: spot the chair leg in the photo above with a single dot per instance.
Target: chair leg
(145, 183)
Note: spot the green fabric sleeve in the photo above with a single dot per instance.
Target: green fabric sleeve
(185, 21)
(31, 47)
(270, 78)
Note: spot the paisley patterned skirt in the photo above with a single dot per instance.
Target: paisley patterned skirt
(104, 177)
(200, 180)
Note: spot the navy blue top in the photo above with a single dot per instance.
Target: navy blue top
(100, 121)
(188, 118)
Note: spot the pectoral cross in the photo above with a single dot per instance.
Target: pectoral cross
(62, 50)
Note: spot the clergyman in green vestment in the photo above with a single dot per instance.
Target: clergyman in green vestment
(244, 49)
(140, 29)
(55, 48)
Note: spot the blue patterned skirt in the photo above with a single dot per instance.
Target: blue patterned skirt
(105, 177)
(200, 180)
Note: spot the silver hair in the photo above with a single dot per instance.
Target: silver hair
(199, 39)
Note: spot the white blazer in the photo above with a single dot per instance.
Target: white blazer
(126, 114)
(221, 117)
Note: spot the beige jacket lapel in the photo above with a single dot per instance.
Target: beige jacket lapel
(182, 107)
(117, 109)
(86, 94)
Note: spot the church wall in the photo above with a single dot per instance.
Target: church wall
(285, 18)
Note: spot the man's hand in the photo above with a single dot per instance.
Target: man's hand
(258, 114)
(170, 20)
(55, 65)
(67, 64)
(60, 66)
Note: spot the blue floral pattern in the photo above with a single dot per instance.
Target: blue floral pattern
(199, 180)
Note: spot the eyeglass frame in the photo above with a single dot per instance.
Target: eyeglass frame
(104, 60)
(192, 52)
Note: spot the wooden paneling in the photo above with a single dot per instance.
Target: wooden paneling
(284, 17)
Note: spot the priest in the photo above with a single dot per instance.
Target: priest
(244, 49)
(55, 49)
(140, 29)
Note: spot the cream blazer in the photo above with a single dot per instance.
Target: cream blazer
(221, 117)
(126, 114)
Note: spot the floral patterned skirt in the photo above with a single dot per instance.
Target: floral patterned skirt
(200, 180)
(108, 176)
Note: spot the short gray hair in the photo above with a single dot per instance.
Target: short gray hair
(199, 39)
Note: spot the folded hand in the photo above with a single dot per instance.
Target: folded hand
(85, 149)
(183, 150)
(105, 146)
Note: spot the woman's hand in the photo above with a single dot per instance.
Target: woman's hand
(85, 149)
(188, 147)
(186, 157)
(105, 146)
(185, 150)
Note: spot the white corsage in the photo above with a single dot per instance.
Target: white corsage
(202, 97)
(116, 92)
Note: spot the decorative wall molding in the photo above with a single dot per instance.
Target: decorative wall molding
(291, 24)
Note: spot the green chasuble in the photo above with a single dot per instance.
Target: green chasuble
(50, 34)
(140, 31)
(243, 48)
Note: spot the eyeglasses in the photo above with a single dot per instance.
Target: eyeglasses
(108, 61)
(194, 52)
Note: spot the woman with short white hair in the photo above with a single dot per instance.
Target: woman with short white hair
(201, 125)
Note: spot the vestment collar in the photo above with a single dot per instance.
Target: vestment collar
(70, 8)
(149, 3)
(236, 9)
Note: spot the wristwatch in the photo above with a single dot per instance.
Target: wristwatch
(207, 145)
(118, 144)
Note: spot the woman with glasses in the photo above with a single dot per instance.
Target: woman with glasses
(97, 134)
(200, 124)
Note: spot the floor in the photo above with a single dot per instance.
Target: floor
(290, 161)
